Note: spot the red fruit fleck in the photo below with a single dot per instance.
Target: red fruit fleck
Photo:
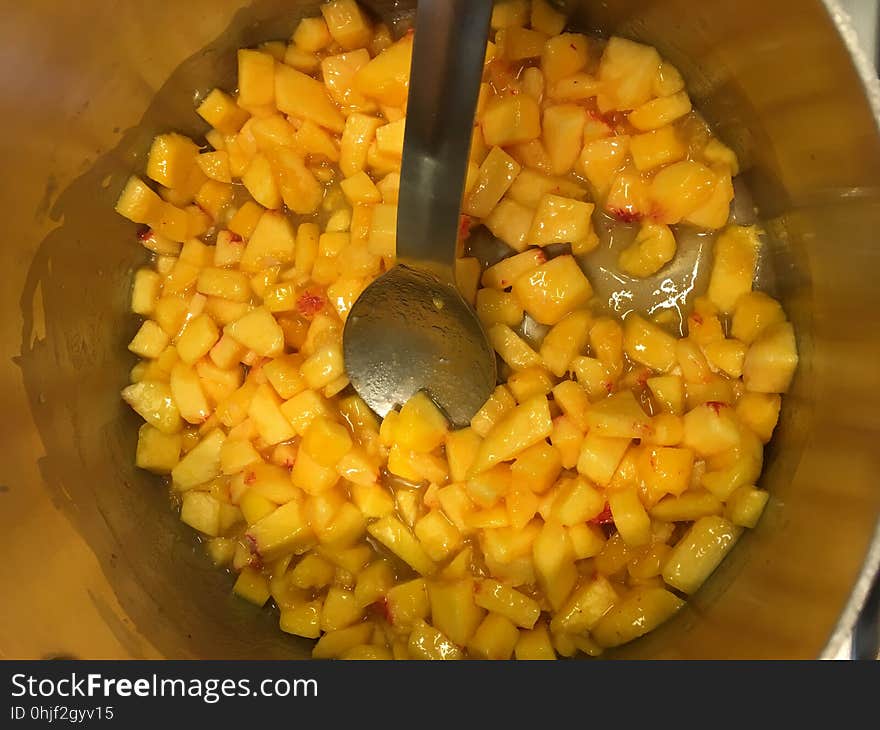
(464, 227)
(609, 386)
(504, 283)
(716, 406)
(382, 608)
(604, 517)
(235, 238)
(541, 257)
(310, 303)
(572, 46)
(642, 378)
(250, 477)
(697, 319)
(627, 215)
(145, 234)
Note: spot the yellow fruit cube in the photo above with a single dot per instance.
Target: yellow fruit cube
(311, 476)
(487, 488)
(760, 412)
(746, 505)
(630, 517)
(256, 79)
(201, 511)
(149, 341)
(335, 644)
(220, 111)
(326, 441)
(510, 120)
(512, 348)
(618, 416)
(726, 355)
(427, 643)
(537, 468)
(600, 456)
(495, 638)
(303, 97)
(259, 180)
(577, 501)
(421, 426)
(563, 135)
(602, 159)
(554, 563)
(734, 264)
(530, 186)
(503, 274)
(453, 610)
(302, 620)
(586, 607)
(499, 404)
(715, 212)
(395, 536)
(526, 425)
(258, 331)
(660, 112)
(252, 586)
(383, 231)
(680, 189)
(627, 72)
(653, 248)
(340, 610)
(564, 55)
(156, 451)
(498, 307)
(573, 401)
(711, 429)
(188, 394)
(643, 610)
(386, 77)
(508, 602)
(699, 552)
(553, 290)
(563, 220)
(511, 222)
(407, 603)
(754, 312)
(510, 14)
(771, 360)
(530, 382)
(656, 148)
(286, 529)
(360, 189)
(171, 160)
(496, 175)
(565, 341)
(461, 450)
(347, 23)
(534, 645)
(647, 344)
(438, 535)
(312, 34)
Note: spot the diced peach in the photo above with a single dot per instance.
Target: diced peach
(771, 360)
(497, 173)
(680, 189)
(526, 425)
(386, 77)
(735, 260)
(510, 221)
(660, 112)
(564, 55)
(627, 72)
(648, 344)
(553, 290)
(601, 159)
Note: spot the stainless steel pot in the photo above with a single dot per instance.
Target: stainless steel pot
(93, 562)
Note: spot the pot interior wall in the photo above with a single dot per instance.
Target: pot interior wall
(775, 79)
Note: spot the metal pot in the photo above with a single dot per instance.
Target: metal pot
(96, 565)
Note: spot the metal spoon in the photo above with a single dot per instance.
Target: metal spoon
(411, 330)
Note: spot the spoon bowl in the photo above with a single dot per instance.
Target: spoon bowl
(408, 332)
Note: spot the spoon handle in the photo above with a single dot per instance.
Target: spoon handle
(447, 66)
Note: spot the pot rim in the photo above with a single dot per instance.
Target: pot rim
(839, 644)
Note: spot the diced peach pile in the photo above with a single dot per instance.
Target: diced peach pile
(607, 475)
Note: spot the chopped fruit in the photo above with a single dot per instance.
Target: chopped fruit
(680, 189)
(553, 290)
(563, 220)
(653, 248)
(647, 344)
(733, 268)
(699, 552)
(627, 72)
(613, 459)
(511, 120)
(660, 112)
(771, 360)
